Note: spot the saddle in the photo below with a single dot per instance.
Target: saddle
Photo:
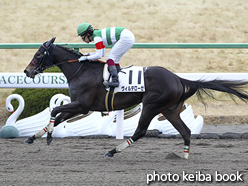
(131, 79)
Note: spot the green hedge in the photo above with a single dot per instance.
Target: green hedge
(37, 100)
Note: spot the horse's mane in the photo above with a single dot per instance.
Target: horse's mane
(78, 53)
(70, 50)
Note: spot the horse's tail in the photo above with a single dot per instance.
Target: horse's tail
(200, 87)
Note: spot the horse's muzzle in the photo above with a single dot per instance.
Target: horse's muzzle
(30, 75)
(26, 72)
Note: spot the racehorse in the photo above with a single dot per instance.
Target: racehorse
(165, 92)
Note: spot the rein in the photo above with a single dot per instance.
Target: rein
(76, 60)
(68, 61)
(71, 61)
(75, 72)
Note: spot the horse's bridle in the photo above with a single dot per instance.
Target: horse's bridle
(45, 61)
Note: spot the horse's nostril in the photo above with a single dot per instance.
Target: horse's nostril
(26, 72)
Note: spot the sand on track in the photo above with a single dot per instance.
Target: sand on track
(81, 161)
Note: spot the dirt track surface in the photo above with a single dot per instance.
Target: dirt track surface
(82, 162)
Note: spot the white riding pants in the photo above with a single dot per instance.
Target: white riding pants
(125, 42)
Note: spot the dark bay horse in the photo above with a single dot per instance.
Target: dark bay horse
(165, 93)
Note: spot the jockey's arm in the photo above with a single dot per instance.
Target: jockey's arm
(100, 50)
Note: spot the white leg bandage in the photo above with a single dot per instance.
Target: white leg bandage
(41, 133)
(50, 125)
(186, 152)
(124, 145)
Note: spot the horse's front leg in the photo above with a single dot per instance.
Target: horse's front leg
(58, 119)
(72, 108)
(62, 117)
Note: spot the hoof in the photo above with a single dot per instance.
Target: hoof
(49, 138)
(49, 141)
(109, 155)
(186, 156)
(29, 141)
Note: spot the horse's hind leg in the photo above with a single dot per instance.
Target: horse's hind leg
(146, 116)
(173, 116)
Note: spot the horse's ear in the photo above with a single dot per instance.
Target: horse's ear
(50, 42)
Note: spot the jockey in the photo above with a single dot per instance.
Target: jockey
(121, 38)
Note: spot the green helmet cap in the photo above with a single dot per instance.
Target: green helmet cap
(84, 28)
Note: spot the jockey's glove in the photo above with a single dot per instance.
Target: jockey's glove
(82, 58)
(87, 54)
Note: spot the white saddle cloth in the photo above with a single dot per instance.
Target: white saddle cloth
(132, 80)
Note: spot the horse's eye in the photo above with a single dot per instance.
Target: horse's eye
(38, 54)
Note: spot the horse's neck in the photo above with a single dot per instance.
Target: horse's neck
(68, 69)
(73, 69)
(62, 57)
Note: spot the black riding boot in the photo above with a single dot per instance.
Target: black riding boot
(115, 79)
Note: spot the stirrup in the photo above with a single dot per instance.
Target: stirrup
(113, 84)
